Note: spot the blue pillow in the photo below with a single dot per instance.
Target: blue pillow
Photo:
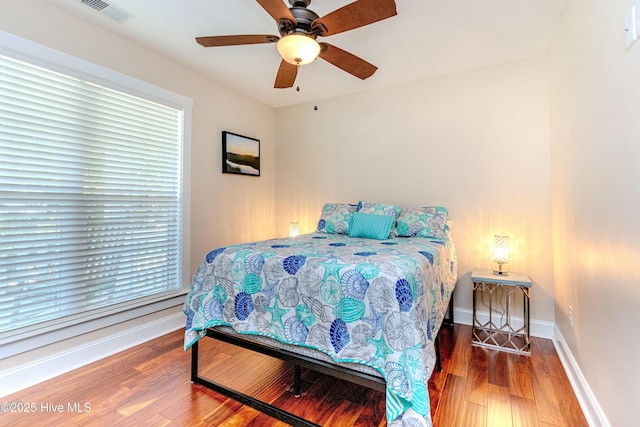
(371, 226)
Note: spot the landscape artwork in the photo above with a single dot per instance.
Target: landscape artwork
(240, 154)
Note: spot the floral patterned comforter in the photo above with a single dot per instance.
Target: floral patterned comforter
(379, 303)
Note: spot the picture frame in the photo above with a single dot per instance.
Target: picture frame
(240, 154)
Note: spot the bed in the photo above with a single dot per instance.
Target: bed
(357, 296)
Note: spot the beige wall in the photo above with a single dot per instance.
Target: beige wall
(476, 142)
(595, 134)
(224, 208)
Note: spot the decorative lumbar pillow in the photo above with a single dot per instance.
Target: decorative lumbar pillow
(371, 226)
(335, 218)
(428, 221)
(380, 209)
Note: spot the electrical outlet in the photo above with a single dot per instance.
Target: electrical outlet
(571, 316)
(630, 27)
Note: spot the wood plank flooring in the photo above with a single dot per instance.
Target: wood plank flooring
(149, 385)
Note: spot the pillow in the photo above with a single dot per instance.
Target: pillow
(335, 218)
(371, 226)
(428, 221)
(380, 209)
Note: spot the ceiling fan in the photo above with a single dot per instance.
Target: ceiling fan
(299, 27)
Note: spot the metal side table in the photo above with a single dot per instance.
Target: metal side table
(498, 328)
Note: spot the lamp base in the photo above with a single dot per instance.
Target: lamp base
(500, 271)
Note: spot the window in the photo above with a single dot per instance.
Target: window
(92, 196)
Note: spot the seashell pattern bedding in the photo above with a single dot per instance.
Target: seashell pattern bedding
(378, 303)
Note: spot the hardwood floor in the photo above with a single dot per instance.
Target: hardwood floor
(149, 385)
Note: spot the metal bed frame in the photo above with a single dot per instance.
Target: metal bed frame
(299, 360)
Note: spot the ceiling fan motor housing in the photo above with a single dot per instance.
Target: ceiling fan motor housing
(304, 20)
(299, 3)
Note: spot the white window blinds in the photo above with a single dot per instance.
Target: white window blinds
(90, 197)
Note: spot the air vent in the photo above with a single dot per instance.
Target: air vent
(109, 9)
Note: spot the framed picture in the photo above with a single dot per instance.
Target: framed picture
(240, 154)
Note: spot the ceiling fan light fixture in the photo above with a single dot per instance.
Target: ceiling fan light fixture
(298, 49)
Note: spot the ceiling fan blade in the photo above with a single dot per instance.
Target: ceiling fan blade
(277, 9)
(213, 41)
(355, 15)
(347, 61)
(286, 75)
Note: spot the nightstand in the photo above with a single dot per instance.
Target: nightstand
(498, 328)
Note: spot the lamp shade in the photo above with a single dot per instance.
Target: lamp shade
(298, 49)
(500, 249)
(294, 230)
(500, 253)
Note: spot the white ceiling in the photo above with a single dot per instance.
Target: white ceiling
(426, 38)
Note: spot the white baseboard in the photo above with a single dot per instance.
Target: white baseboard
(588, 402)
(29, 374)
(538, 328)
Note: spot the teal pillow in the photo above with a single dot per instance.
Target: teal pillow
(371, 226)
(380, 209)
